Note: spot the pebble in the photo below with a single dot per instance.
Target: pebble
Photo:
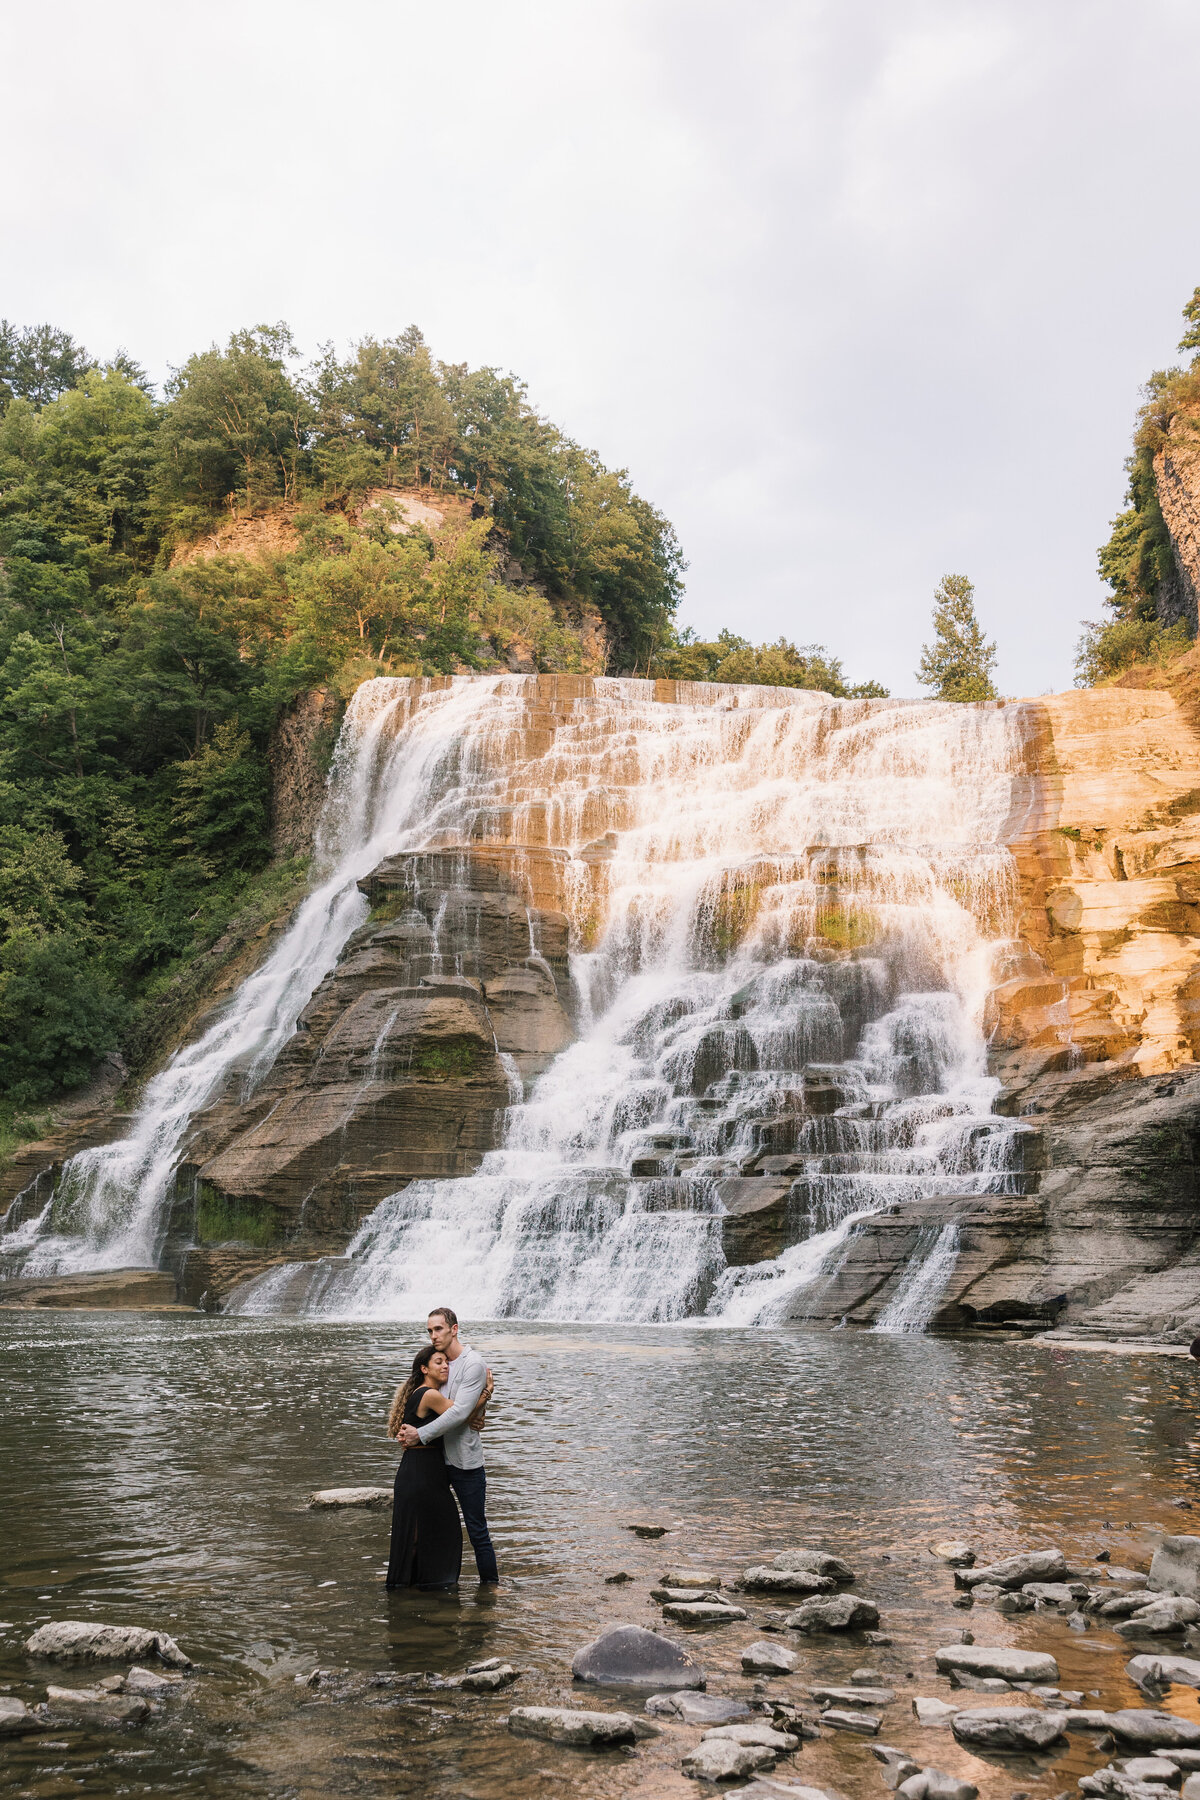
(833, 1612)
(1152, 1768)
(484, 1678)
(149, 1681)
(865, 1677)
(615, 1580)
(1165, 1613)
(1153, 1730)
(1008, 1727)
(768, 1659)
(77, 1640)
(564, 1725)
(664, 1596)
(375, 1497)
(1191, 1788)
(898, 1765)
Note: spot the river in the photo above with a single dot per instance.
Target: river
(154, 1470)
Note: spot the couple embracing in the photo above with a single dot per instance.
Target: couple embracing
(437, 1415)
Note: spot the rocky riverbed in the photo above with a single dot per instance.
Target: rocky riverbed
(841, 1510)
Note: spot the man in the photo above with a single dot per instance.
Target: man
(469, 1388)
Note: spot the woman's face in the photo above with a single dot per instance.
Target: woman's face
(438, 1368)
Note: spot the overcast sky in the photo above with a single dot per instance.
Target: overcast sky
(860, 291)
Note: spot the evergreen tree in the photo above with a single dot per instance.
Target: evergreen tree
(958, 664)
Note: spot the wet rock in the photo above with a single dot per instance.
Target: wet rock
(1007, 1727)
(672, 1596)
(878, 1640)
(718, 1759)
(1152, 1768)
(1015, 1571)
(96, 1706)
(630, 1656)
(818, 1562)
(79, 1640)
(1185, 1759)
(689, 1578)
(1152, 1673)
(833, 1612)
(764, 1737)
(898, 1765)
(15, 1717)
(1191, 1788)
(1175, 1567)
(1152, 1730)
(997, 1659)
(648, 1531)
(697, 1709)
(1116, 1606)
(930, 1711)
(1112, 1784)
(857, 1695)
(786, 1581)
(866, 1678)
(1088, 1719)
(1169, 1613)
(149, 1681)
(983, 1684)
(955, 1552)
(618, 1579)
(932, 1784)
(703, 1612)
(987, 1592)
(1019, 1602)
(1079, 1622)
(787, 1716)
(1056, 1593)
(564, 1725)
(374, 1497)
(485, 1678)
(768, 1659)
(774, 1787)
(841, 1719)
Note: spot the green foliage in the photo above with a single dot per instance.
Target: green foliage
(220, 1220)
(38, 364)
(444, 1062)
(1191, 312)
(734, 659)
(1110, 648)
(58, 1013)
(958, 664)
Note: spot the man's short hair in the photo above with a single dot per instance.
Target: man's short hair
(446, 1312)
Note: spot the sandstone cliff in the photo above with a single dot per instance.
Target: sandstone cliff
(1177, 480)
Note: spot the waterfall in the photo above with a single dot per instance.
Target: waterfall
(924, 1280)
(783, 909)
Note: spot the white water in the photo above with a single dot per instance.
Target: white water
(923, 1281)
(795, 937)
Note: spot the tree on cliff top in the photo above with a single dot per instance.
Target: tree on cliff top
(958, 664)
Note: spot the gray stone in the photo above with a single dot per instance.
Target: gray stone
(697, 1709)
(630, 1656)
(1116, 1606)
(689, 1578)
(1169, 1613)
(930, 1711)
(1007, 1727)
(764, 1737)
(786, 1581)
(853, 1696)
(1152, 1730)
(96, 1705)
(987, 1592)
(866, 1678)
(898, 1765)
(1150, 1673)
(648, 1531)
(149, 1681)
(703, 1612)
(1018, 1602)
(485, 1679)
(15, 1717)
(818, 1562)
(665, 1596)
(997, 1659)
(1056, 1593)
(1112, 1784)
(1015, 1571)
(1088, 1719)
(77, 1640)
(564, 1725)
(1152, 1768)
(768, 1659)
(932, 1784)
(718, 1759)
(983, 1684)
(374, 1497)
(1184, 1759)
(840, 1719)
(775, 1787)
(955, 1552)
(1191, 1788)
(833, 1612)
(1175, 1567)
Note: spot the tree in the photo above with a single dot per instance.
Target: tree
(1191, 312)
(959, 662)
(38, 364)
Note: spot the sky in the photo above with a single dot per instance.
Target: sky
(861, 292)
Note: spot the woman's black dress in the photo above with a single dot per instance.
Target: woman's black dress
(426, 1528)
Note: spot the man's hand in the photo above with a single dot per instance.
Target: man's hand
(478, 1418)
(409, 1438)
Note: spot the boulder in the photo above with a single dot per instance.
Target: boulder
(15, 1717)
(958, 1555)
(697, 1709)
(81, 1640)
(1151, 1730)
(703, 1612)
(1007, 1727)
(786, 1581)
(1168, 1613)
(818, 1562)
(929, 1711)
(374, 1497)
(719, 1759)
(1152, 1673)
(96, 1706)
(630, 1656)
(857, 1695)
(997, 1659)
(564, 1725)
(931, 1784)
(764, 1736)
(840, 1719)
(1175, 1567)
(768, 1659)
(1015, 1571)
(833, 1612)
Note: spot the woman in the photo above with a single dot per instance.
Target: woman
(426, 1529)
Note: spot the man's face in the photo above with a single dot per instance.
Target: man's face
(440, 1334)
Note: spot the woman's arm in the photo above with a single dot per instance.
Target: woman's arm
(432, 1402)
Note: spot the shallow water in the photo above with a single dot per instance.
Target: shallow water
(154, 1469)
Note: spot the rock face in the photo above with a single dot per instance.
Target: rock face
(394, 1073)
(1177, 481)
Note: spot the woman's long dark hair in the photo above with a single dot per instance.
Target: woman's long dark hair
(420, 1363)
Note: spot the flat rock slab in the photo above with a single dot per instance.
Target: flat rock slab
(1015, 1571)
(853, 1696)
(929, 1711)
(97, 1705)
(1160, 1671)
(865, 1723)
(1007, 1727)
(703, 1612)
(563, 1725)
(666, 1596)
(1151, 1730)
(764, 1737)
(997, 1659)
(787, 1581)
(16, 1717)
(1151, 1768)
(697, 1709)
(80, 1640)
(150, 1681)
(484, 1681)
(958, 1554)
(932, 1784)
(833, 1612)
(1164, 1614)
(689, 1578)
(719, 1759)
(768, 1659)
(1175, 1567)
(631, 1656)
(819, 1562)
(374, 1497)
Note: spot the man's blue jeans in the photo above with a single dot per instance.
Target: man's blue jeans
(471, 1487)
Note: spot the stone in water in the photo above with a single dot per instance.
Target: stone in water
(835, 1612)
(697, 1709)
(998, 1659)
(630, 1656)
(768, 1659)
(564, 1725)
(78, 1640)
(375, 1497)
(1008, 1727)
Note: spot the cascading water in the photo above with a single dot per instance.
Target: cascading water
(784, 909)
(923, 1280)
